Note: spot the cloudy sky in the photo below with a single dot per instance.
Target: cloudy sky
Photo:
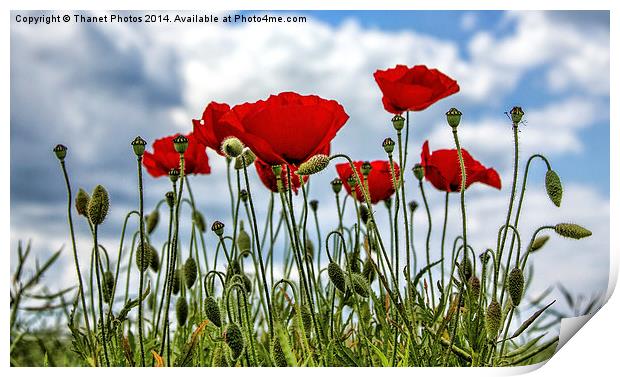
(94, 87)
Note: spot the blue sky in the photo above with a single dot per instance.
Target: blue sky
(94, 87)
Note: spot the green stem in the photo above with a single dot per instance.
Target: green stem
(101, 317)
(443, 238)
(428, 241)
(141, 251)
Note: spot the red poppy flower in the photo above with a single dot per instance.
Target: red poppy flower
(443, 170)
(164, 157)
(265, 173)
(413, 88)
(204, 127)
(285, 128)
(379, 180)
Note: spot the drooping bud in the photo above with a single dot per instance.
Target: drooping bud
(388, 202)
(232, 147)
(152, 219)
(219, 358)
(398, 122)
(314, 205)
(247, 284)
(454, 117)
(247, 156)
(182, 310)
(309, 249)
(474, 286)
(60, 151)
(180, 144)
(212, 310)
(218, 228)
(234, 339)
(493, 318)
(243, 195)
(336, 185)
(143, 251)
(314, 165)
(336, 276)
(154, 260)
(388, 145)
(515, 286)
(108, 285)
(81, 202)
(572, 231)
(174, 175)
(176, 281)
(138, 145)
(306, 318)
(98, 205)
(369, 271)
(243, 239)
(170, 198)
(553, 185)
(199, 220)
(516, 114)
(277, 353)
(465, 268)
(364, 213)
(360, 284)
(366, 168)
(190, 271)
(539, 242)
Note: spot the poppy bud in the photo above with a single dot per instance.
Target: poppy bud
(218, 228)
(143, 248)
(180, 144)
(232, 147)
(152, 220)
(306, 318)
(553, 185)
(108, 285)
(247, 156)
(515, 285)
(388, 202)
(418, 171)
(474, 286)
(60, 151)
(388, 145)
(81, 202)
(336, 276)
(572, 231)
(234, 339)
(466, 268)
(174, 174)
(516, 114)
(366, 168)
(138, 145)
(492, 319)
(336, 185)
(413, 205)
(181, 309)
(154, 260)
(360, 284)
(243, 239)
(309, 249)
(314, 165)
(170, 198)
(314, 205)
(234, 268)
(364, 213)
(199, 220)
(539, 242)
(277, 354)
(398, 122)
(212, 310)
(190, 270)
(243, 195)
(176, 281)
(98, 205)
(219, 358)
(369, 270)
(247, 284)
(454, 117)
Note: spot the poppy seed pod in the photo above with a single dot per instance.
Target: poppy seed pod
(572, 231)
(366, 168)
(81, 202)
(182, 310)
(492, 319)
(138, 145)
(98, 205)
(232, 147)
(154, 260)
(515, 285)
(388, 145)
(108, 285)
(516, 114)
(60, 151)
(413, 205)
(352, 181)
(170, 198)
(277, 170)
(143, 248)
(418, 171)
(218, 228)
(234, 339)
(539, 242)
(314, 205)
(398, 122)
(212, 310)
(360, 284)
(176, 281)
(336, 185)
(190, 271)
(484, 258)
(315, 164)
(277, 354)
(553, 185)
(199, 220)
(243, 239)
(180, 144)
(243, 195)
(152, 219)
(174, 174)
(454, 117)
(336, 276)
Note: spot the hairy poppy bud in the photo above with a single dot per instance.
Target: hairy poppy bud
(138, 145)
(247, 156)
(336, 185)
(154, 260)
(212, 310)
(170, 198)
(398, 122)
(413, 205)
(174, 175)
(144, 251)
(314, 165)
(232, 147)
(182, 310)
(515, 285)
(60, 151)
(243, 195)
(81, 202)
(539, 242)
(218, 228)
(306, 318)
(369, 270)
(190, 271)
(454, 117)
(388, 145)
(466, 268)
(152, 219)
(180, 144)
(98, 205)
(492, 319)
(309, 249)
(176, 281)
(277, 354)
(474, 285)
(364, 213)
(553, 185)
(199, 220)
(360, 284)
(418, 171)
(516, 114)
(108, 285)
(219, 358)
(314, 205)
(234, 268)
(234, 338)
(243, 239)
(366, 168)
(572, 231)
(247, 284)
(336, 276)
